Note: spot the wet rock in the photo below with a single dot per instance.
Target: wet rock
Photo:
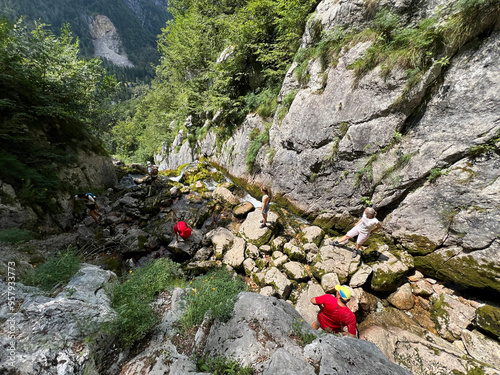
(402, 298)
(224, 195)
(242, 210)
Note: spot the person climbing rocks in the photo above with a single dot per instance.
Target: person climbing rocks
(181, 229)
(363, 228)
(153, 174)
(266, 200)
(91, 204)
(334, 315)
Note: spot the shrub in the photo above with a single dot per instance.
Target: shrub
(131, 299)
(214, 293)
(257, 141)
(15, 235)
(57, 270)
(221, 366)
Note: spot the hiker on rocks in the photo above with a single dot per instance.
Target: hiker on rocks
(363, 228)
(91, 203)
(153, 174)
(334, 314)
(266, 200)
(181, 229)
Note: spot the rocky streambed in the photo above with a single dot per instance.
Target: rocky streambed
(420, 323)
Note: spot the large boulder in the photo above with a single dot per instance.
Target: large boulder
(337, 260)
(281, 284)
(251, 229)
(50, 332)
(258, 334)
(235, 256)
(221, 239)
(451, 316)
(488, 319)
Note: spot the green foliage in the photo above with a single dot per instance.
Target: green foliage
(367, 201)
(396, 46)
(138, 32)
(434, 173)
(15, 235)
(51, 101)
(227, 56)
(214, 293)
(57, 270)
(257, 141)
(304, 338)
(221, 366)
(131, 299)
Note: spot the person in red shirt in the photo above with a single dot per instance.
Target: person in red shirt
(181, 229)
(334, 314)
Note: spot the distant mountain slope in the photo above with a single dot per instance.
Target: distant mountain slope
(137, 23)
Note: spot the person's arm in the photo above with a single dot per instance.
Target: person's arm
(379, 226)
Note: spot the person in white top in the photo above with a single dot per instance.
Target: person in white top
(363, 228)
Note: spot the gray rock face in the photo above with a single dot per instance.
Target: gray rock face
(50, 332)
(260, 328)
(329, 150)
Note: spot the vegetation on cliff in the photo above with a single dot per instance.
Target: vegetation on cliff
(51, 102)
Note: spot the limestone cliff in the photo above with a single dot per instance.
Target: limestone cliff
(425, 156)
(107, 42)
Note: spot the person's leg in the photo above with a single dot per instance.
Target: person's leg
(361, 239)
(264, 219)
(94, 214)
(316, 325)
(351, 234)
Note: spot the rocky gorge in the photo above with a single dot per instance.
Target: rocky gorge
(425, 156)
(415, 321)
(424, 152)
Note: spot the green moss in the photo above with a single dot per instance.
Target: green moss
(141, 240)
(418, 245)
(463, 270)
(387, 281)
(437, 312)
(488, 319)
(122, 171)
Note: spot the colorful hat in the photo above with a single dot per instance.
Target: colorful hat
(345, 292)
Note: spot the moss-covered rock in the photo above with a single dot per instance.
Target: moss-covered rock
(488, 319)
(451, 264)
(417, 245)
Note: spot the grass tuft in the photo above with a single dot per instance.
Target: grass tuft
(213, 294)
(57, 270)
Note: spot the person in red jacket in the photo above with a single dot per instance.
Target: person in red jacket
(181, 229)
(334, 314)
